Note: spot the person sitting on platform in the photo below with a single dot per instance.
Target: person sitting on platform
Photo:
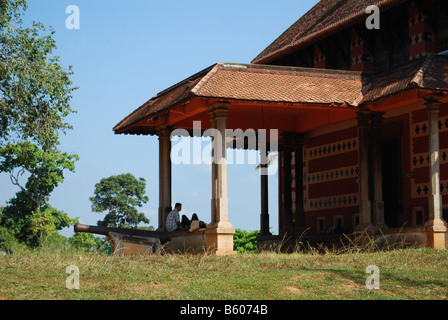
(173, 222)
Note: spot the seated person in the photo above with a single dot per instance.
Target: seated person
(173, 222)
(192, 224)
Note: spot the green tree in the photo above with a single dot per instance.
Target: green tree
(45, 169)
(119, 196)
(35, 94)
(30, 226)
(29, 214)
(35, 90)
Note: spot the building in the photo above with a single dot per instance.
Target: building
(361, 114)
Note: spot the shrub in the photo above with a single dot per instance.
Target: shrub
(7, 239)
(245, 241)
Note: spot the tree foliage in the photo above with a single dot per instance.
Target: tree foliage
(10, 11)
(44, 169)
(7, 239)
(30, 225)
(245, 241)
(119, 196)
(35, 90)
(35, 95)
(83, 241)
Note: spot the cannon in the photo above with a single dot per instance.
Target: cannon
(128, 241)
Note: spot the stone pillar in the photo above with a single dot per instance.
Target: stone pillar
(164, 134)
(436, 227)
(365, 211)
(378, 203)
(220, 231)
(298, 177)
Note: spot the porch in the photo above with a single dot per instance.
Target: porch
(281, 105)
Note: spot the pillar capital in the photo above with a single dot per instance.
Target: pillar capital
(219, 110)
(432, 102)
(164, 131)
(363, 116)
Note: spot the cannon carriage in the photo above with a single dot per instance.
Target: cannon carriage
(128, 241)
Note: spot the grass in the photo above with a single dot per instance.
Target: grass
(405, 274)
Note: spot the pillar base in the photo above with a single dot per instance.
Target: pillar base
(437, 225)
(219, 240)
(436, 234)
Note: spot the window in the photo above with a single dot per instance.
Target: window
(445, 213)
(355, 220)
(391, 42)
(303, 58)
(338, 221)
(418, 216)
(337, 49)
(321, 225)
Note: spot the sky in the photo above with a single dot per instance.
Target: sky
(123, 54)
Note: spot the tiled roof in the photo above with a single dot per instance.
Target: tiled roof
(325, 18)
(430, 73)
(230, 81)
(160, 103)
(274, 84)
(279, 84)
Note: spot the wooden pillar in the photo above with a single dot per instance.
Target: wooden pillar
(378, 202)
(287, 221)
(298, 177)
(365, 211)
(220, 231)
(264, 216)
(164, 134)
(436, 227)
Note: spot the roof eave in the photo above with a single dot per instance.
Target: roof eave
(331, 29)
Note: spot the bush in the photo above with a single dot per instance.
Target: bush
(89, 243)
(7, 239)
(83, 242)
(55, 241)
(245, 241)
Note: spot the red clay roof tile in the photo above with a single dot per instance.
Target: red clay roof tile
(254, 83)
(274, 84)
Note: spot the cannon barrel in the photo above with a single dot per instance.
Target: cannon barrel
(162, 236)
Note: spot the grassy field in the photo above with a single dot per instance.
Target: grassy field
(404, 274)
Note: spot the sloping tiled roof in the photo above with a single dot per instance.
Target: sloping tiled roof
(279, 84)
(248, 82)
(160, 103)
(430, 73)
(325, 18)
(274, 84)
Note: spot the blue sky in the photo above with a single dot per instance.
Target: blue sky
(124, 53)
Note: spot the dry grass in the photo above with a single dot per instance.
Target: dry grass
(404, 274)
